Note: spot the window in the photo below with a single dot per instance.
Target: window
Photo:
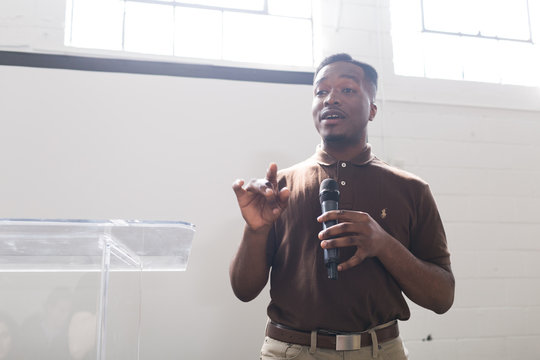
(475, 40)
(254, 31)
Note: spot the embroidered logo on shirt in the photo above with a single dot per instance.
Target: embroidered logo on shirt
(383, 213)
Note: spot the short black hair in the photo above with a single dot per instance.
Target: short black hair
(370, 73)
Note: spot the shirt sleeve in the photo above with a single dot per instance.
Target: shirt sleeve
(271, 246)
(428, 238)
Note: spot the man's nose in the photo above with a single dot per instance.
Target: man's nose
(331, 98)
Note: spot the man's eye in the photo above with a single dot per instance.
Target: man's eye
(321, 93)
(348, 90)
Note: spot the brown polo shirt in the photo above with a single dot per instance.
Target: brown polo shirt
(302, 297)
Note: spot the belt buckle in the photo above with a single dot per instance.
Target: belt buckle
(348, 342)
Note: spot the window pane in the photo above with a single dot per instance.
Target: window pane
(408, 57)
(198, 33)
(257, 5)
(502, 18)
(442, 58)
(293, 8)
(97, 24)
(451, 16)
(149, 28)
(519, 63)
(508, 19)
(480, 60)
(194, 29)
(407, 38)
(267, 39)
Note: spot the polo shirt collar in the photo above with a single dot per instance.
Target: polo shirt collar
(323, 158)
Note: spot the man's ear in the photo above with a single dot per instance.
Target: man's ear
(372, 110)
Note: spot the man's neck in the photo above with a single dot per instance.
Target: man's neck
(344, 152)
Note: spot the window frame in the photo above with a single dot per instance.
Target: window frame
(479, 34)
(177, 4)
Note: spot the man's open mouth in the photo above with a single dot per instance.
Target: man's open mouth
(332, 115)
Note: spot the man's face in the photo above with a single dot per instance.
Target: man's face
(342, 104)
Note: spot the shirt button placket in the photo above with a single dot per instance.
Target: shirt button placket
(343, 182)
(345, 192)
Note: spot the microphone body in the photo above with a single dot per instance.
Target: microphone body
(329, 198)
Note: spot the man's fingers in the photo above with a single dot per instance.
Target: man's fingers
(284, 195)
(266, 186)
(271, 174)
(342, 216)
(345, 231)
(260, 186)
(238, 187)
(352, 262)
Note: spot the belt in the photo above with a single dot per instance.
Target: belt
(345, 341)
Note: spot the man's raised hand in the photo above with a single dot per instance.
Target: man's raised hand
(260, 201)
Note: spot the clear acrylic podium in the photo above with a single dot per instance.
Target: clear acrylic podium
(72, 289)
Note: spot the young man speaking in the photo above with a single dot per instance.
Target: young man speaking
(388, 231)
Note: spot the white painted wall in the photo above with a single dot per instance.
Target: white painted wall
(99, 145)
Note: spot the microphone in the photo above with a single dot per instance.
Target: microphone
(329, 198)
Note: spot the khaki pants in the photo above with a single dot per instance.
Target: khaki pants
(275, 349)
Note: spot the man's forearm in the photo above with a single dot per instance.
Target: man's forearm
(427, 284)
(249, 268)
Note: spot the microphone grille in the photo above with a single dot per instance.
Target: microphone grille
(329, 190)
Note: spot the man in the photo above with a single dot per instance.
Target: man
(389, 233)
